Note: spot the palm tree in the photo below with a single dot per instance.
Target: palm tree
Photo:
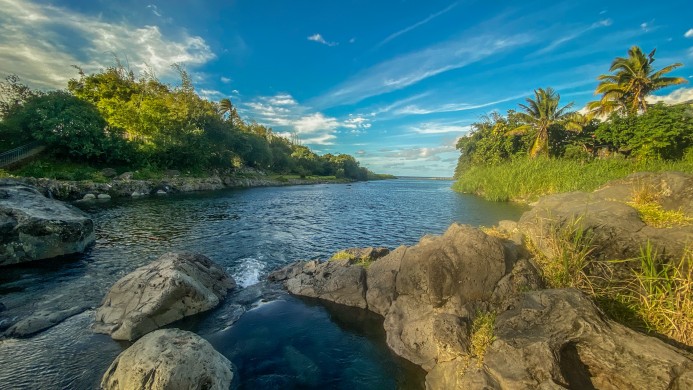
(633, 79)
(539, 115)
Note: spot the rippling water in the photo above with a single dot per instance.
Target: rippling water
(284, 344)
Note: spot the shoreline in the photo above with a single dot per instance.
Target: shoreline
(70, 191)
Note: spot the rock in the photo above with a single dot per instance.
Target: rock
(559, 339)
(169, 359)
(368, 254)
(125, 176)
(89, 197)
(161, 192)
(136, 194)
(33, 227)
(171, 173)
(109, 172)
(616, 228)
(42, 320)
(334, 280)
(381, 277)
(174, 286)
(104, 196)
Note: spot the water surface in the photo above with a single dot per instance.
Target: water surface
(286, 343)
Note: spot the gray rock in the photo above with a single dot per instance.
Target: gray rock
(161, 192)
(169, 359)
(381, 278)
(172, 287)
(616, 228)
(109, 172)
(334, 280)
(104, 196)
(89, 197)
(559, 339)
(125, 176)
(33, 227)
(42, 320)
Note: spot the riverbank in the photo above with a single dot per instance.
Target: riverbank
(124, 186)
(526, 180)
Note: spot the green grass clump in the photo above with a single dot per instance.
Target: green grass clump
(646, 200)
(60, 170)
(528, 179)
(482, 335)
(4, 174)
(345, 255)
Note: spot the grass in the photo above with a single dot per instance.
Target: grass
(344, 255)
(653, 296)
(60, 170)
(482, 335)
(646, 201)
(4, 174)
(526, 180)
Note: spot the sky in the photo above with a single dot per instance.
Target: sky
(393, 83)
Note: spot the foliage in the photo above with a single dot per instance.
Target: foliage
(527, 180)
(633, 79)
(364, 262)
(539, 115)
(60, 170)
(482, 335)
(661, 132)
(646, 201)
(71, 126)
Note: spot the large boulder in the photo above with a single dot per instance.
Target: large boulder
(169, 359)
(172, 287)
(558, 339)
(33, 227)
(615, 228)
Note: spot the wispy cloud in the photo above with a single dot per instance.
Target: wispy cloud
(409, 69)
(574, 35)
(416, 25)
(154, 9)
(41, 42)
(450, 107)
(438, 128)
(689, 33)
(319, 39)
(225, 80)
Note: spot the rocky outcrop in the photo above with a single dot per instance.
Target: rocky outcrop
(558, 339)
(172, 287)
(431, 293)
(169, 359)
(615, 228)
(33, 227)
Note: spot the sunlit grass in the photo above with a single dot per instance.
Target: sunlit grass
(482, 335)
(646, 200)
(527, 180)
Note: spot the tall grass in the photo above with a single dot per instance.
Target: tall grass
(527, 180)
(482, 335)
(653, 295)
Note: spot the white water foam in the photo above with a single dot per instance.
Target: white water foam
(249, 271)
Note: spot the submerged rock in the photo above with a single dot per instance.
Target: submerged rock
(169, 359)
(174, 286)
(33, 227)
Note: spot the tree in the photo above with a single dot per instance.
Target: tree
(633, 79)
(540, 114)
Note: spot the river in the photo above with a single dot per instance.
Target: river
(274, 340)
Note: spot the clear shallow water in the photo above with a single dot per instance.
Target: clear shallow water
(250, 232)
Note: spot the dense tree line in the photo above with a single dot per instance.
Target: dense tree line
(620, 123)
(114, 117)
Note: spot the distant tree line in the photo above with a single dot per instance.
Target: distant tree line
(113, 117)
(621, 123)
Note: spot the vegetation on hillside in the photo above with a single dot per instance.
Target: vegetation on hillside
(620, 134)
(113, 118)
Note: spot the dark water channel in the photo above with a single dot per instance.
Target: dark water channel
(274, 340)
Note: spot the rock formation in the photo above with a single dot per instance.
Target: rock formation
(33, 227)
(172, 287)
(169, 359)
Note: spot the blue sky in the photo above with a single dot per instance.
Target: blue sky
(394, 83)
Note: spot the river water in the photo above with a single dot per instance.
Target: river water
(274, 340)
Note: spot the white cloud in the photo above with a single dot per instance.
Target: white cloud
(210, 94)
(677, 96)
(411, 68)
(358, 124)
(318, 38)
(282, 99)
(41, 42)
(449, 107)
(417, 24)
(225, 80)
(436, 128)
(689, 33)
(573, 35)
(154, 9)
